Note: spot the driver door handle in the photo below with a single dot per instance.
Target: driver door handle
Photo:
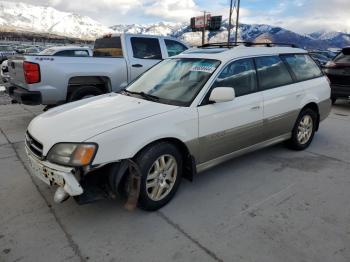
(137, 65)
(255, 108)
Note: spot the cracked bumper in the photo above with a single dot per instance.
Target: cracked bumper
(52, 174)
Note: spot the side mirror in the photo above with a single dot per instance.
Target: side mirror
(222, 94)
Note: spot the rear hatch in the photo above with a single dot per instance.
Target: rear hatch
(15, 67)
(338, 70)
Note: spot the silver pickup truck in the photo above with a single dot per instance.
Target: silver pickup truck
(116, 61)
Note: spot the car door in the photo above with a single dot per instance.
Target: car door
(144, 53)
(282, 96)
(230, 126)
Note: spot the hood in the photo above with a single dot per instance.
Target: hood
(81, 120)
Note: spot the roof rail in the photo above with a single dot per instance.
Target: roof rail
(248, 44)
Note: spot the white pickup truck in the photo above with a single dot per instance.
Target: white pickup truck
(117, 60)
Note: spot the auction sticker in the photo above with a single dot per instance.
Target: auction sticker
(203, 68)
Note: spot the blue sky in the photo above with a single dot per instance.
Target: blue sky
(302, 16)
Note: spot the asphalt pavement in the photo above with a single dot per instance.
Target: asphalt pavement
(271, 205)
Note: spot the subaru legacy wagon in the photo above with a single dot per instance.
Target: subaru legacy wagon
(186, 114)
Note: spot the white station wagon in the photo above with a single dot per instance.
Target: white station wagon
(184, 115)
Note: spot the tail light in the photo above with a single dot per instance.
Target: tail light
(31, 72)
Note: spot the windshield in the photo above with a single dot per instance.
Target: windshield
(343, 57)
(175, 81)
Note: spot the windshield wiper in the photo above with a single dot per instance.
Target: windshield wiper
(143, 94)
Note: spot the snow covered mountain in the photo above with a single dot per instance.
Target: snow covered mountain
(30, 18)
(246, 32)
(26, 17)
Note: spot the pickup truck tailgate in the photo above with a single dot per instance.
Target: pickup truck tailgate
(15, 67)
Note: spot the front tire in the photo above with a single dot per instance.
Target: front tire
(304, 130)
(161, 171)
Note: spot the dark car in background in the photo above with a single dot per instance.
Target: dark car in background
(320, 58)
(338, 72)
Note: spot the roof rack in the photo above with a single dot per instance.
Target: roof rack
(248, 44)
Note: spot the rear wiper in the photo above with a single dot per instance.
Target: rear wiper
(143, 94)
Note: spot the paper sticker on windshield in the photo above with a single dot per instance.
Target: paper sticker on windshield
(203, 68)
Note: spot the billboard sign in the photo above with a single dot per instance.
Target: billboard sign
(200, 22)
(212, 23)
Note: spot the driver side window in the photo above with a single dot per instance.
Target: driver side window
(240, 75)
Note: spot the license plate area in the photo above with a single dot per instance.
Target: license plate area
(47, 175)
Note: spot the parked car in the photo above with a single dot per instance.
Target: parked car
(118, 59)
(5, 52)
(5, 71)
(67, 51)
(338, 72)
(184, 115)
(320, 59)
(29, 50)
(326, 53)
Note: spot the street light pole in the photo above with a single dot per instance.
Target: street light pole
(237, 21)
(229, 23)
(203, 28)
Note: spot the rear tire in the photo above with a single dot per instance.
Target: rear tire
(161, 171)
(84, 92)
(334, 99)
(304, 130)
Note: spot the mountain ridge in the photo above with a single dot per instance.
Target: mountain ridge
(48, 20)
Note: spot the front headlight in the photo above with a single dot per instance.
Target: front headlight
(70, 154)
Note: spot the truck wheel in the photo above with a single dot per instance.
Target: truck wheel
(304, 130)
(161, 172)
(84, 92)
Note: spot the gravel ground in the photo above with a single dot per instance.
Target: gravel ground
(4, 98)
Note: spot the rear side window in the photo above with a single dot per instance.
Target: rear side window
(65, 53)
(303, 67)
(272, 72)
(174, 47)
(146, 48)
(108, 46)
(81, 53)
(239, 75)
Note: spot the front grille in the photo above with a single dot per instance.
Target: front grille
(34, 145)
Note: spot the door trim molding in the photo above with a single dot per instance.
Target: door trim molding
(221, 159)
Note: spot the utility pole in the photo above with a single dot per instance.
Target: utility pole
(237, 22)
(229, 23)
(203, 28)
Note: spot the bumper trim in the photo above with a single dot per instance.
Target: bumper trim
(24, 96)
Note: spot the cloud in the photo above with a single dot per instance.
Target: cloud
(175, 10)
(93, 6)
(303, 16)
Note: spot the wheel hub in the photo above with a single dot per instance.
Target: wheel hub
(161, 177)
(305, 129)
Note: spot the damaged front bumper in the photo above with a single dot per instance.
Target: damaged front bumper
(88, 186)
(51, 174)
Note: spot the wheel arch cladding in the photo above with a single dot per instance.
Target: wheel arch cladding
(189, 166)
